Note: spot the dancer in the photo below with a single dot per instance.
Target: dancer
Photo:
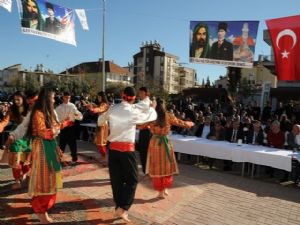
(67, 113)
(45, 176)
(102, 131)
(122, 160)
(19, 151)
(144, 133)
(161, 161)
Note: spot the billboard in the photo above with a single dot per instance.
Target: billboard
(230, 43)
(48, 20)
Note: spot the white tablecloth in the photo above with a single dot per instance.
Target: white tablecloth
(93, 125)
(260, 155)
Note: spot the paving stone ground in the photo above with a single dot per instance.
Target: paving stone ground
(199, 196)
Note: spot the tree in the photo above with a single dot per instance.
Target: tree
(246, 88)
(115, 88)
(203, 83)
(31, 82)
(207, 82)
(155, 88)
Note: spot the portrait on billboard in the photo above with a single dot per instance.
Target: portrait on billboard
(42, 18)
(230, 43)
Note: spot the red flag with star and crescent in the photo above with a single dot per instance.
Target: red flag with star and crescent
(285, 37)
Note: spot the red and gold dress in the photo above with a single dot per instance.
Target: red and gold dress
(102, 131)
(20, 151)
(45, 175)
(161, 161)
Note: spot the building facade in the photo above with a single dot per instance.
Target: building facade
(153, 66)
(92, 72)
(188, 77)
(14, 78)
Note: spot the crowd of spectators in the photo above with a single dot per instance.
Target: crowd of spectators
(277, 129)
(249, 123)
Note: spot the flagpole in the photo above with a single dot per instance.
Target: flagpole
(103, 42)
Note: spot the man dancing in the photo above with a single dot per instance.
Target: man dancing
(122, 161)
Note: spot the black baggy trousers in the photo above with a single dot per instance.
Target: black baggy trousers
(123, 173)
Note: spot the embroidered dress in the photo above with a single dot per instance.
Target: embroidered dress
(102, 131)
(19, 153)
(45, 176)
(161, 161)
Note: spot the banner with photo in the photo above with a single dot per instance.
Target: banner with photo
(48, 20)
(230, 43)
(6, 4)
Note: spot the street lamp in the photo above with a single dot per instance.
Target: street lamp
(103, 42)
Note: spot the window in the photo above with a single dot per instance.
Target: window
(147, 68)
(147, 59)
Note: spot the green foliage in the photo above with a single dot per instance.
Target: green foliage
(155, 89)
(246, 89)
(115, 88)
(207, 82)
(31, 82)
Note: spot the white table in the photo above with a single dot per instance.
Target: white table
(260, 155)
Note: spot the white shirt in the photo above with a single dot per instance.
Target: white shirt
(22, 128)
(123, 119)
(68, 110)
(143, 105)
(205, 131)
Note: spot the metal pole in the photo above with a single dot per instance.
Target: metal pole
(103, 58)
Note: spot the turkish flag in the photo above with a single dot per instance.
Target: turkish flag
(285, 36)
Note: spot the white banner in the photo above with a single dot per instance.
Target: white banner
(6, 4)
(82, 18)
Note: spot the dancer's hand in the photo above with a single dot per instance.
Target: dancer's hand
(65, 124)
(190, 124)
(48, 134)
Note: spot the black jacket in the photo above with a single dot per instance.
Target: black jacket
(224, 52)
(259, 137)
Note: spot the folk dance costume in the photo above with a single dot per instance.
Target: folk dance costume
(45, 176)
(102, 131)
(67, 113)
(122, 160)
(161, 161)
(144, 134)
(20, 151)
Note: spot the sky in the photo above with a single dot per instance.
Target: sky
(128, 24)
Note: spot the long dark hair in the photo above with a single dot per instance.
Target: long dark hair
(44, 105)
(161, 112)
(27, 16)
(15, 109)
(103, 97)
(194, 46)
